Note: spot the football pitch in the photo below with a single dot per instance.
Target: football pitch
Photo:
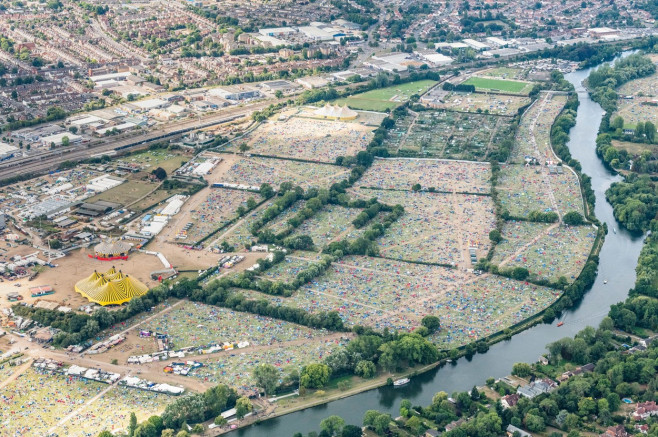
(511, 86)
(385, 98)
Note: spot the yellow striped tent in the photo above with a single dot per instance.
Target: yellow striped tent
(110, 288)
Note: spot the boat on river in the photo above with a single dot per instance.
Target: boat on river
(401, 382)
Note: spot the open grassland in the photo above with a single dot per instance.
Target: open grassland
(126, 193)
(385, 98)
(511, 86)
(153, 159)
(503, 73)
(547, 251)
(443, 175)
(309, 139)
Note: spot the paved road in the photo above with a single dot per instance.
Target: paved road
(51, 160)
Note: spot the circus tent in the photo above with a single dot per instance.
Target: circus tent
(111, 249)
(336, 112)
(110, 288)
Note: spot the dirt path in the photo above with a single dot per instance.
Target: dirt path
(528, 244)
(18, 372)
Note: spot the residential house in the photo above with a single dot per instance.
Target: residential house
(615, 431)
(644, 410)
(537, 388)
(511, 429)
(510, 400)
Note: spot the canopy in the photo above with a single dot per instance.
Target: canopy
(336, 112)
(110, 288)
(112, 248)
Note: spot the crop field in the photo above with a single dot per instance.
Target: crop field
(511, 86)
(447, 134)
(548, 252)
(443, 175)
(216, 209)
(255, 171)
(200, 325)
(533, 137)
(309, 139)
(436, 228)
(385, 98)
(524, 189)
(330, 223)
(487, 103)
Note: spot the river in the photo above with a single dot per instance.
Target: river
(618, 259)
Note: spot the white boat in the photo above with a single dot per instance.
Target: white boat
(614, 230)
(401, 382)
(605, 281)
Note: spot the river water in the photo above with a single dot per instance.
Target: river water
(618, 259)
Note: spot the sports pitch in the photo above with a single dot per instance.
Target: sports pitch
(386, 98)
(511, 86)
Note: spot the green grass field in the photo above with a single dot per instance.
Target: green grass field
(511, 86)
(385, 98)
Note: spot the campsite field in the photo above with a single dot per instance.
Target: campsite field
(152, 159)
(198, 325)
(525, 189)
(503, 73)
(533, 137)
(635, 108)
(126, 193)
(512, 86)
(308, 139)
(486, 103)
(383, 293)
(329, 224)
(254, 171)
(385, 98)
(547, 251)
(443, 175)
(436, 228)
(449, 134)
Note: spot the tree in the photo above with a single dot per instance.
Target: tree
(242, 407)
(352, 431)
(243, 147)
(534, 423)
(266, 191)
(617, 123)
(416, 187)
(495, 236)
(415, 425)
(133, 424)
(220, 420)
(573, 218)
(650, 131)
(432, 323)
(333, 425)
(521, 369)
(405, 408)
(278, 94)
(315, 376)
(146, 429)
(365, 369)
(520, 273)
(266, 377)
(65, 141)
(105, 433)
(160, 173)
